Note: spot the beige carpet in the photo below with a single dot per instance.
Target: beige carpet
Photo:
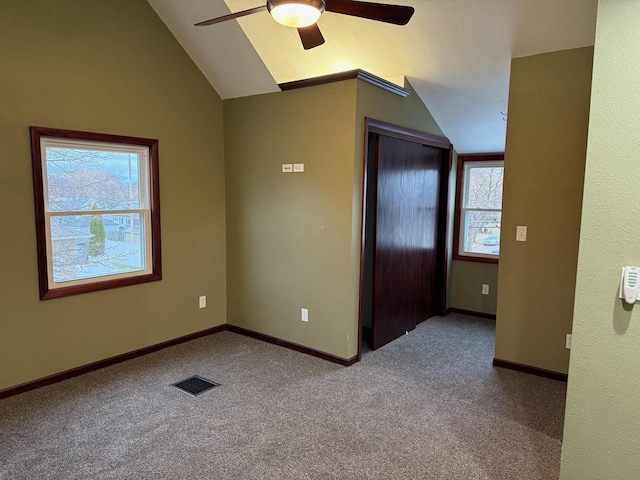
(427, 406)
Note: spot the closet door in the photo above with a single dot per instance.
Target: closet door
(406, 237)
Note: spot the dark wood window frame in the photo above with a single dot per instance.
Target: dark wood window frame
(462, 159)
(100, 283)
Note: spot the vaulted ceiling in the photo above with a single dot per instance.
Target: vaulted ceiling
(456, 53)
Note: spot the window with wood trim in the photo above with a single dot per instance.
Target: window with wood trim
(479, 208)
(97, 211)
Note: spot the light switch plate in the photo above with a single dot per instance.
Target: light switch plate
(521, 233)
(485, 289)
(202, 301)
(304, 315)
(568, 343)
(287, 168)
(298, 167)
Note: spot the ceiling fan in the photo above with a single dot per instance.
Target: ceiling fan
(303, 15)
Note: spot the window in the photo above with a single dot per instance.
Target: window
(479, 208)
(97, 211)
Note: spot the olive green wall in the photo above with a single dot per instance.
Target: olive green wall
(289, 234)
(544, 172)
(109, 67)
(294, 238)
(467, 279)
(602, 421)
(379, 104)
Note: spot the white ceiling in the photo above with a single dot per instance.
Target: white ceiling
(455, 53)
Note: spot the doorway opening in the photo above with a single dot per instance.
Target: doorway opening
(404, 252)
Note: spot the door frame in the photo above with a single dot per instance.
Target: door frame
(444, 225)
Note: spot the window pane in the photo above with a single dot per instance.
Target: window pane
(482, 232)
(83, 179)
(87, 246)
(484, 187)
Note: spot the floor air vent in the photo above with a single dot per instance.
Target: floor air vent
(195, 385)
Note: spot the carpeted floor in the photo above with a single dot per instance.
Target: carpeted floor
(427, 406)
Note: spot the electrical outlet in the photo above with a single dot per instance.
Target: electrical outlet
(298, 167)
(304, 315)
(485, 289)
(202, 301)
(568, 343)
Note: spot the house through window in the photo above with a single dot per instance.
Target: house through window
(479, 207)
(97, 209)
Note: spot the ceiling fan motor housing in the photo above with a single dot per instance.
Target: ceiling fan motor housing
(296, 13)
(317, 4)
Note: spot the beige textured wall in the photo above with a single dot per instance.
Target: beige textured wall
(289, 234)
(544, 172)
(467, 279)
(109, 67)
(602, 418)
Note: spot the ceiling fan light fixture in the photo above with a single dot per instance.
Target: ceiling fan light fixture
(296, 13)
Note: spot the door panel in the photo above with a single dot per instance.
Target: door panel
(406, 237)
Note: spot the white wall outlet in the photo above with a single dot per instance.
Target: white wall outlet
(298, 167)
(485, 289)
(521, 233)
(304, 315)
(568, 342)
(202, 301)
(287, 168)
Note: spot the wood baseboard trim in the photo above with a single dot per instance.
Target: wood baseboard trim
(541, 372)
(492, 316)
(347, 362)
(107, 362)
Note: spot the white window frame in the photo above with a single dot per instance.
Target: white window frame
(462, 226)
(145, 152)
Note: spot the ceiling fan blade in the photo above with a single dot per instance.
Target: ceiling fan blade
(397, 14)
(311, 36)
(231, 16)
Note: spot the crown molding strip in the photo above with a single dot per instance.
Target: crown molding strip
(350, 75)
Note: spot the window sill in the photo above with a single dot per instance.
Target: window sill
(471, 258)
(96, 286)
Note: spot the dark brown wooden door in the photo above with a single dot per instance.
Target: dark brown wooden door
(406, 237)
